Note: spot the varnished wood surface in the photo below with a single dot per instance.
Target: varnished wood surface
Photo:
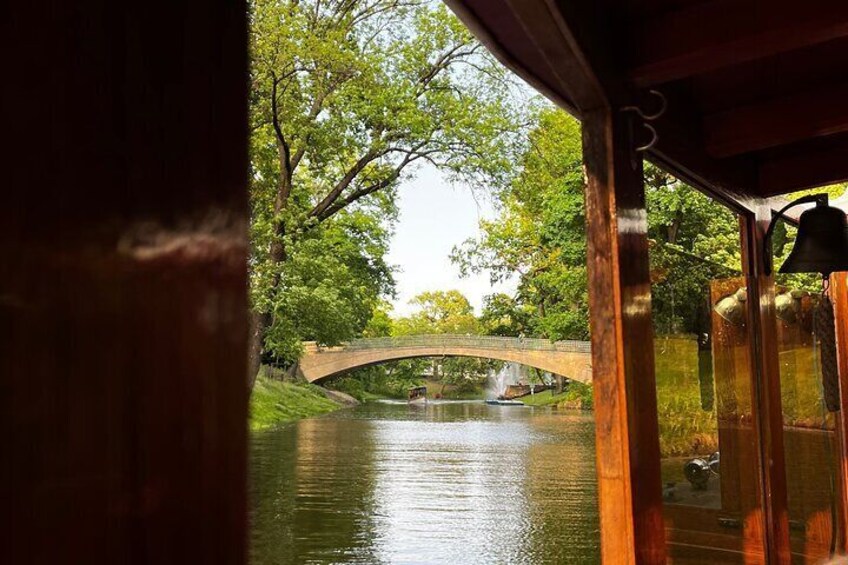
(765, 368)
(744, 79)
(839, 295)
(806, 115)
(123, 294)
(703, 36)
(627, 440)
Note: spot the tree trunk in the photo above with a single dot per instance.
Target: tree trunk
(261, 321)
(254, 352)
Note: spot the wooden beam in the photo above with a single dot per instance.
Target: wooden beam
(771, 123)
(768, 413)
(819, 162)
(711, 35)
(532, 38)
(123, 284)
(501, 40)
(626, 429)
(679, 152)
(839, 296)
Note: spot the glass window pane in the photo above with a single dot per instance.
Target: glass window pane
(809, 434)
(711, 490)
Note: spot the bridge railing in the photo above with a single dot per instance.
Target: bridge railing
(472, 341)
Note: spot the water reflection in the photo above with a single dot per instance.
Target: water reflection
(449, 483)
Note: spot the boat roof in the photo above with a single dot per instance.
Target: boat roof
(755, 89)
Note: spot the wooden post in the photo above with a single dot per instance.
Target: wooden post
(123, 283)
(839, 296)
(768, 413)
(626, 429)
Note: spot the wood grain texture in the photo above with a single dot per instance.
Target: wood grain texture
(839, 296)
(705, 36)
(626, 429)
(123, 284)
(719, 62)
(775, 122)
(808, 164)
(768, 413)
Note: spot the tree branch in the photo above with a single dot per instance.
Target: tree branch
(442, 63)
(346, 180)
(341, 204)
(285, 152)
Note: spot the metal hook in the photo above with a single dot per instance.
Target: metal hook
(651, 143)
(655, 115)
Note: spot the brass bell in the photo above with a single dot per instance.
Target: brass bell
(822, 242)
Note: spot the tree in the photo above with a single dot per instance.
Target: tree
(380, 324)
(540, 233)
(446, 312)
(540, 237)
(346, 97)
(439, 312)
(503, 315)
(693, 240)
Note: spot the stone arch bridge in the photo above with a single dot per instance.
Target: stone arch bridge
(571, 359)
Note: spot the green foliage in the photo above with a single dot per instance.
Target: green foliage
(685, 427)
(328, 287)
(503, 315)
(353, 386)
(387, 380)
(446, 312)
(540, 236)
(693, 240)
(274, 402)
(380, 324)
(439, 312)
(346, 98)
(575, 396)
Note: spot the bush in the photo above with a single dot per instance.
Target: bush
(349, 385)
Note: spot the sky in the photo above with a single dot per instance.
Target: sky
(434, 216)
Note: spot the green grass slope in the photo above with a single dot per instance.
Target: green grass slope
(275, 402)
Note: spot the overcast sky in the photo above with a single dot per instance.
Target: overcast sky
(435, 216)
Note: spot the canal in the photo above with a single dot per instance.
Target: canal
(449, 483)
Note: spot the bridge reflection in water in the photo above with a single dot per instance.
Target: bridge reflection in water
(572, 359)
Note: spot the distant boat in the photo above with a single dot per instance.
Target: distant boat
(497, 402)
(417, 395)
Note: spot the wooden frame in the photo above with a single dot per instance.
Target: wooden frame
(123, 284)
(131, 233)
(626, 429)
(839, 295)
(767, 409)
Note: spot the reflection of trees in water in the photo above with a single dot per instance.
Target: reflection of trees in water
(562, 491)
(450, 483)
(312, 493)
(272, 472)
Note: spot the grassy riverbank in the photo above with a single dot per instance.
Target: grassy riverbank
(577, 396)
(275, 402)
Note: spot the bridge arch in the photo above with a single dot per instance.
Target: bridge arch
(571, 359)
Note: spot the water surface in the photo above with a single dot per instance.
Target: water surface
(449, 483)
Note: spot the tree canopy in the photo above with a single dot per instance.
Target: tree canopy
(540, 237)
(439, 312)
(346, 97)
